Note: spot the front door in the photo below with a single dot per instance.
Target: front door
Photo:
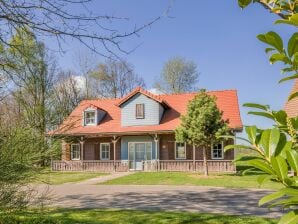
(138, 152)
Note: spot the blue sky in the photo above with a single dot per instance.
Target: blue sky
(217, 35)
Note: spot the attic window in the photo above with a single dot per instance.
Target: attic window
(140, 113)
(89, 117)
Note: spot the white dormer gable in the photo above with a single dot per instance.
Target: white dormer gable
(92, 116)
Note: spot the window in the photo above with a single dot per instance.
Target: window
(89, 117)
(75, 152)
(180, 150)
(140, 113)
(217, 151)
(104, 151)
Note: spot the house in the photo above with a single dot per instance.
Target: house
(136, 132)
(291, 107)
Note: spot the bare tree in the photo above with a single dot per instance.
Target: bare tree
(66, 95)
(115, 79)
(178, 76)
(62, 20)
(86, 63)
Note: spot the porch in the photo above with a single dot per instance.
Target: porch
(151, 153)
(147, 166)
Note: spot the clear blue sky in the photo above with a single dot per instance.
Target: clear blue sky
(217, 35)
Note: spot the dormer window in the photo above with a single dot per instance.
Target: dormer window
(140, 111)
(89, 117)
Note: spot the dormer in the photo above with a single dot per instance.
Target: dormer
(92, 116)
(141, 107)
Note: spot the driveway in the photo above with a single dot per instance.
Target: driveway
(155, 197)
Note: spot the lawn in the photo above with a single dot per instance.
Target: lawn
(51, 177)
(181, 178)
(92, 216)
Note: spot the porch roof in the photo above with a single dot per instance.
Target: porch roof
(227, 101)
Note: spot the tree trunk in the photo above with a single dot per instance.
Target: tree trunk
(205, 161)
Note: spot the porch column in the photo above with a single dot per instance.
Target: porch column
(63, 146)
(115, 140)
(82, 141)
(194, 157)
(156, 140)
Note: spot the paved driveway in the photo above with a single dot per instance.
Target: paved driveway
(171, 198)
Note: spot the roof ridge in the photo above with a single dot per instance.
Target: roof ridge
(195, 92)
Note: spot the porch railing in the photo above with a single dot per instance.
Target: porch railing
(153, 165)
(90, 165)
(190, 165)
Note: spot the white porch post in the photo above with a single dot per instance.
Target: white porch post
(156, 140)
(115, 140)
(82, 141)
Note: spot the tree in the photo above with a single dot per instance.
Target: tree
(276, 148)
(115, 79)
(30, 74)
(61, 20)
(178, 76)
(202, 124)
(66, 94)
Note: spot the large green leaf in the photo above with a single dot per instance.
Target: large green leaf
(270, 197)
(280, 166)
(244, 3)
(229, 147)
(295, 76)
(246, 158)
(273, 39)
(257, 106)
(261, 165)
(293, 44)
(293, 20)
(289, 218)
(281, 145)
(279, 57)
(292, 96)
(281, 117)
(292, 158)
(263, 114)
(251, 132)
(263, 178)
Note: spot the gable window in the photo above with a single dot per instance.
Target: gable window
(75, 152)
(217, 151)
(180, 150)
(89, 117)
(104, 151)
(140, 111)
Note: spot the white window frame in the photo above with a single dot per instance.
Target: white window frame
(85, 117)
(176, 151)
(105, 143)
(222, 149)
(71, 154)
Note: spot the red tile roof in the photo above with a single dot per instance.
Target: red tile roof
(227, 101)
(291, 107)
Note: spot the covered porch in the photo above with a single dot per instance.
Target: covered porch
(147, 152)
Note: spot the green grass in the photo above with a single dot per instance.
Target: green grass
(92, 216)
(181, 178)
(54, 178)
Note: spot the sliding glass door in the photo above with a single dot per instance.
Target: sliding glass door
(137, 153)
